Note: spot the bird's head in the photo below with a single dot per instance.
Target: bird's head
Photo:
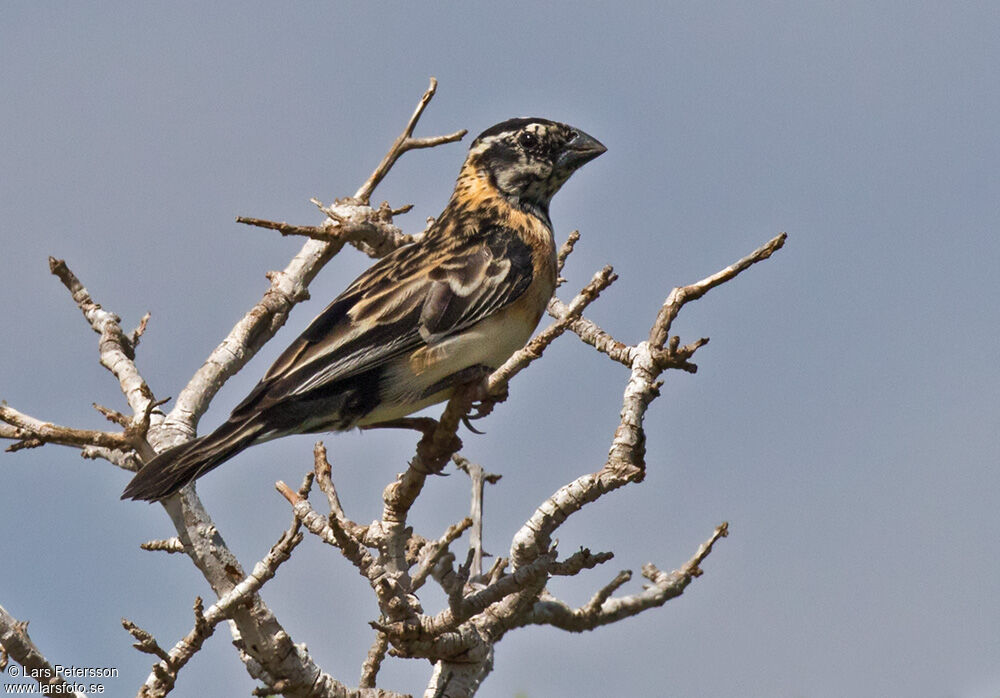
(527, 159)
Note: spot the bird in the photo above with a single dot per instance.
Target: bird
(431, 316)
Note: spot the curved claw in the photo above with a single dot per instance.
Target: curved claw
(467, 421)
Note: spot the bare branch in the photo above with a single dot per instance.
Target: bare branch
(112, 415)
(478, 601)
(370, 230)
(479, 477)
(578, 561)
(288, 287)
(373, 662)
(117, 350)
(593, 607)
(31, 432)
(565, 251)
(126, 460)
(316, 232)
(164, 674)
(37, 432)
(685, 294)
(137, 333)
(461, 679)
(603, 609)
(144, 641)
(327, 529)
(591, 334)
(167, 545)
(18, 646)
(432, 553)
(435, 448)
(438, 444)
(405, 142)
(626, 457)
(265, 647)
(324, 477)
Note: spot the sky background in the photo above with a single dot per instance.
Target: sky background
(844, 418)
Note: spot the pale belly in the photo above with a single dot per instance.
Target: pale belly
(488, 343)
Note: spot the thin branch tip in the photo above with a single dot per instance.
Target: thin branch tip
(287, 492)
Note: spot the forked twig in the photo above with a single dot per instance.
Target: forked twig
(404, 142)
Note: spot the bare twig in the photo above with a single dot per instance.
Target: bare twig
(432, 553)
(161, 680)
(116, 349)
(580, 560)
(591, 334)
(603, 609)
(370, 230)
(479, 600)
(117, 354)
(18, 646)
(144, 641)
(324, 477)
(685, 294)
(405, 142)
(626, 457)
(264, 646)
(36, 432)
(479, 478)
(328, 529)
(566, 250)
(373, 662)
(317, 232)
(593, 607)
(166, 545)
(31, 432)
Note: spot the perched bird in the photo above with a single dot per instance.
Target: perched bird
(425, 319)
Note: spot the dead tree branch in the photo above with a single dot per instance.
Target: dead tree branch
(117, 350)
(406, 142)
(603, 609)
(167, 545)
(117, 354)
(479, 479)
(682, 295)
(15, 644)
(369, 229)
(164, 674)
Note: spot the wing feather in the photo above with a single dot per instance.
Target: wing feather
(417, 295)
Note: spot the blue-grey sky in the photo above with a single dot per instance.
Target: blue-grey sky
(844, 418)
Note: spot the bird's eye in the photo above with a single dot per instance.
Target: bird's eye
(527, 139)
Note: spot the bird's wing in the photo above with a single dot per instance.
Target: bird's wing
(418, 295)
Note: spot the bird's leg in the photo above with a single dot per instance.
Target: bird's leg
(474, 379)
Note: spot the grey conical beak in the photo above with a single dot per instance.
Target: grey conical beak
(581, 149)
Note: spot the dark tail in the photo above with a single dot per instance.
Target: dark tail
(176, 467)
